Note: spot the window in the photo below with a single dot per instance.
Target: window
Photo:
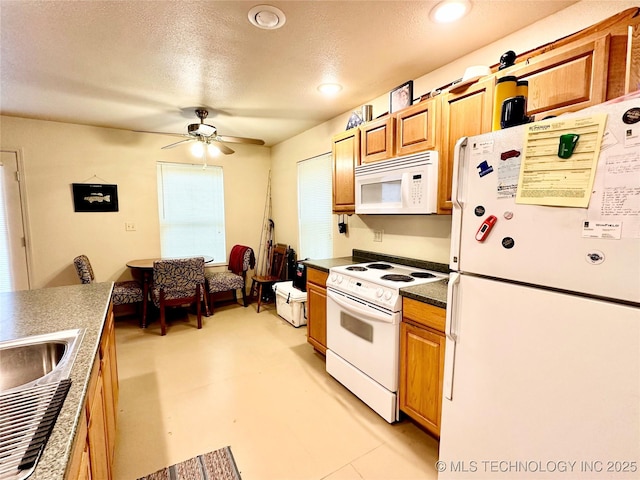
(191, 208)
(314, 207)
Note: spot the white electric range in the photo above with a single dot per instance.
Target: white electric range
(364, 309)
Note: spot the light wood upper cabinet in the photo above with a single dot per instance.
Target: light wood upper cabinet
(346, 156)
(465, 113)
(567, 79)
(417, 128)
(377, 139)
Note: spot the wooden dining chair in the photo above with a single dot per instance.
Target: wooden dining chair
(278, 255)
(177, 282)
(241, 259)
(125, 292)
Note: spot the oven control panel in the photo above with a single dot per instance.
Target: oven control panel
(388, 298)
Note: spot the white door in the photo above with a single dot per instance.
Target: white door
(540, 378)
(13, 252)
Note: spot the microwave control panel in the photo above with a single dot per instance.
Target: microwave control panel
(416, 188)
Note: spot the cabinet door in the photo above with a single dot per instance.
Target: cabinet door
(317, 317)
(346, 155)
(97, 436)
(416, 128)
(421, 372)
(109, 386)
(377, 140)
(567, 79)
(464, 113)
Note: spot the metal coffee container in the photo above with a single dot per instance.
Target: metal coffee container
(367, 113)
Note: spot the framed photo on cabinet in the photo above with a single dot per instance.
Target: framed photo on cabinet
(401, 97)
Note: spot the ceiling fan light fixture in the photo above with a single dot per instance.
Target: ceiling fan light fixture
(212, 150)
(450, 11)
(267, 17)
(329, 89)
(197, 149)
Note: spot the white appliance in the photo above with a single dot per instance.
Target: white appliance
(542, 356)
(363, 329)
(402, 185)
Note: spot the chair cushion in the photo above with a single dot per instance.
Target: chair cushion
(83, 268)
(127, 292)
(223, 281)
(178, 278)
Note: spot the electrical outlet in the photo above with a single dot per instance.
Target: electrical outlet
(377, 235)
(130, 226)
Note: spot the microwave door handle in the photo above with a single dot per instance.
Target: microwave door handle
(362, 311)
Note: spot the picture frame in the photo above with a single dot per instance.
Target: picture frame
(95, 197)
(401, 96)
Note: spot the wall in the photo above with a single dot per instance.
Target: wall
(423, 237)
(58, 154)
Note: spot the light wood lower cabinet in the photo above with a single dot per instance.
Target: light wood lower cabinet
(317, 309)
(422, 344)
(94, 448)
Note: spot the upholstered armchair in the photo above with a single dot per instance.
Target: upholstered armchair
(176, 282)
(241, 259)
(126, 292)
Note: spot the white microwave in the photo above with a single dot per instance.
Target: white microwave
(402, 185)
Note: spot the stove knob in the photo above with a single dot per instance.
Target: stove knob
(334, 276)
(340, 279)
(387, 295)
(379, 292)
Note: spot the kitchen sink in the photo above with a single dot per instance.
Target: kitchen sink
(38, 360)
(34, 381)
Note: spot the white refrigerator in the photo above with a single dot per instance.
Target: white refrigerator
(542, 356)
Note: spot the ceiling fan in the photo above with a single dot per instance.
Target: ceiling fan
(208, 134)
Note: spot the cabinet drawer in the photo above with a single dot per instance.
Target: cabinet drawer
(423, 314)
(317, 276)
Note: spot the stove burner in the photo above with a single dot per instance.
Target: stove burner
(380, 266)
(397, 278)
(357, 269)
(422, 275)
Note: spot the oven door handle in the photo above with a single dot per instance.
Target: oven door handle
(363, 311)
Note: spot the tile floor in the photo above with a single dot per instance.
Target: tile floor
(251, 381)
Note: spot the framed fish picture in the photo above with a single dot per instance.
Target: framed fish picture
(95, 197)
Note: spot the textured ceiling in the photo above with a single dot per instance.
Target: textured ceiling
(146, 65)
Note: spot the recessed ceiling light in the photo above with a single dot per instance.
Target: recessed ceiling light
(329, 88)
(450, 10)
(267, 17)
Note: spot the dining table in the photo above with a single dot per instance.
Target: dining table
(144, 266)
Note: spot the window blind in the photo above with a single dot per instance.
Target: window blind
(314, 207)
(191, 209)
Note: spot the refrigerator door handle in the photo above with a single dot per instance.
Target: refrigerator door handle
(457, 201)
(451, 332)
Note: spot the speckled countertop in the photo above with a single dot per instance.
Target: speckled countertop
(49, 310)
(434, 293)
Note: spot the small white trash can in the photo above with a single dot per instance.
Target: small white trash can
(291, 303)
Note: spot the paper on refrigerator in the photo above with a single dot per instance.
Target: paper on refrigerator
(547, 179)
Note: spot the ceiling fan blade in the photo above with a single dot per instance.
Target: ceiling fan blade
(163, 133)
(222, 147)
(171, 145)
(226, 138)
